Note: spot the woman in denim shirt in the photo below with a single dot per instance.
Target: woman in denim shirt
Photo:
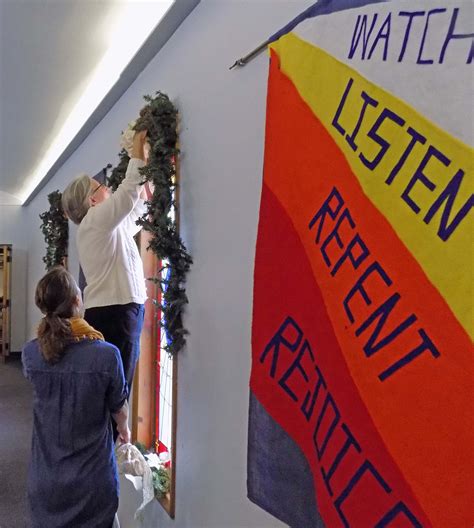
(78, 383)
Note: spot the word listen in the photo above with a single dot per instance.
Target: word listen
(434, 160)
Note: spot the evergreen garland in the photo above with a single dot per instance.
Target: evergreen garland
(159, 118)
(118, 173)
(56, 232)
(161, 481)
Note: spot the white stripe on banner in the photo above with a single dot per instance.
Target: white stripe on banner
(419, 50)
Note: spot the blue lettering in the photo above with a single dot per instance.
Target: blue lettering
(381, 314)
(350, 442)
(453, 36)
(308, 412)
(425, 31)
(362, 20)
(364, 468)
(296, 365)
(411, 16)
(349, 254)
(399, 508)
(367, 101)
(416, 137)
(432, 152)
(289, 335)
(471, 54)
(448, 195)
(334, 234)
(337, 415)
(335, 121)
(384, 145)
(426, 345)
(327, 209)
(359, 287)
(383, 34)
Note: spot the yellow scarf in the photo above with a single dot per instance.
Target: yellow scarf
(81, 329)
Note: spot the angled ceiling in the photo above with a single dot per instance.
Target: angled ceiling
(49, 50)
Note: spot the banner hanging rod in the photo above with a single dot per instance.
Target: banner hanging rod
(318, 7)
(244, 60)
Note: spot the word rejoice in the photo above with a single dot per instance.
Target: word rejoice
(333, 439)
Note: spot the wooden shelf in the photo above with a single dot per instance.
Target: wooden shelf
(5, 299)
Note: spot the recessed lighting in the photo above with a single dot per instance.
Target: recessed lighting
(129, 25)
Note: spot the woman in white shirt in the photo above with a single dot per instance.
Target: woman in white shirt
(115, 293)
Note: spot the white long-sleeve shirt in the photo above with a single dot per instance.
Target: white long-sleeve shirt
(107, 251)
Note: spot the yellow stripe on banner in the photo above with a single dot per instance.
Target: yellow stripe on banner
(417, 175)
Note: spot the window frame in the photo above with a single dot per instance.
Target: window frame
(146, 380)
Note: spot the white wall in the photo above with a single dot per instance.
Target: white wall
(13, 230)
(222, 135)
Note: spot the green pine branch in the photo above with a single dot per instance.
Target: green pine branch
(55, 230)
(118, 173)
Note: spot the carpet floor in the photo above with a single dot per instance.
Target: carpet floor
(15, 443)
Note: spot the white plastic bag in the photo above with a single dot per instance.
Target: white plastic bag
(131, 462)
(116, 522)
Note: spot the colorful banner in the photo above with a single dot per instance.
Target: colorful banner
(361, 409)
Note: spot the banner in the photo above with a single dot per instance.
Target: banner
(361, 404)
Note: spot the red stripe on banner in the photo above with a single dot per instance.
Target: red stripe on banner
(300, 376)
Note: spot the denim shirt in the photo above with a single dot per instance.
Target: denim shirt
(72, 477)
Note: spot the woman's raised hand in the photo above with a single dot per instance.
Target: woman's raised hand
(138, 147)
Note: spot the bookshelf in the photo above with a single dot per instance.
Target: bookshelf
(5, 299)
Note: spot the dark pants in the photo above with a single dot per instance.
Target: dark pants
(121, 325)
